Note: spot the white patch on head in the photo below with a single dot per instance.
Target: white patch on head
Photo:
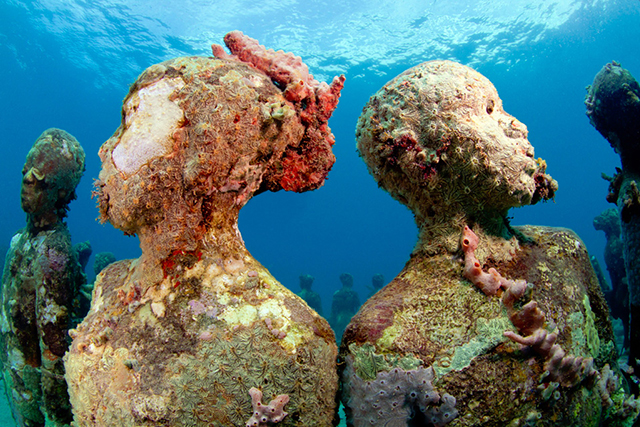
(150, 120)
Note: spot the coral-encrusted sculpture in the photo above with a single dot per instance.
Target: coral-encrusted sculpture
(310, 296)
(437, 139)
(179, 336)
(40, 285)
(613, 107)
(344, 304)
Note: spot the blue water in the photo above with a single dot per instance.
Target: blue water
(68, 65)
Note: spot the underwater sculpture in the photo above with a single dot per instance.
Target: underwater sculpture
(377, 283)
(344, 304)
(310, 296)
(487, 324)
(83, 251)
(613, 108)
(40, 285)
(618, 298)
(183, 335)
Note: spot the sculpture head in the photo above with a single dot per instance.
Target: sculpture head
(347, 280)
(438, 140)
(377, 281)
(50, 175)
(613, 108)
(199, 137)
(306, 281)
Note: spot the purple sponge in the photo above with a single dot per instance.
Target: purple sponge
(395, 398)
(266, 414)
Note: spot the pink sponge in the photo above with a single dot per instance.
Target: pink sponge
(489, 282)
(266, 414)
(285, 69)
(529, 320)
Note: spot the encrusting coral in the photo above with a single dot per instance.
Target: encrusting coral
(41, 285)
(438, 140)
(182, 335)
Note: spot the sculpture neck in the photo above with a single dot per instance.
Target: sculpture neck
(38, 222)
(441, 234)
(171, 242)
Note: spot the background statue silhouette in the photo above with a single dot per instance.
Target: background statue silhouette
(40, 285)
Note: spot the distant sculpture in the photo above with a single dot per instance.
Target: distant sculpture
(41, 280)
(613, 108)
(618, 298)
(309, 296)
(102, 260)
(377, 283)
(483, 312)
(196, 331)
(83, 251)
(344, 305)
(604, 283)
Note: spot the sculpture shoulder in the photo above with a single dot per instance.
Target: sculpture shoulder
(48, 252)
(543, 234)
(116, 269)
(551, 248)
(114, 276)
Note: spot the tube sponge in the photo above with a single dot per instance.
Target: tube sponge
(529, 320)
(264, 415)
(305, 167)
(488, 282)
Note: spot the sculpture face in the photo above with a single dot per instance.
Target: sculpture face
(33, 196)
(499, 137)
(150, 120)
